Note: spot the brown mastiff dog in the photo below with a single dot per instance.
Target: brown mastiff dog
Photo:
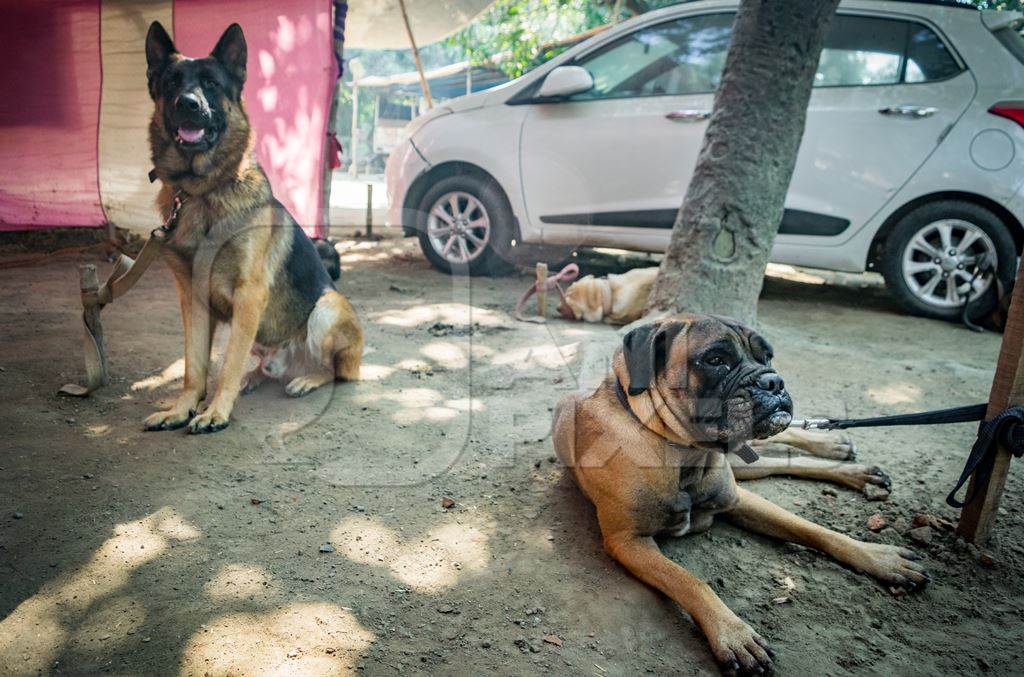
(650, 449)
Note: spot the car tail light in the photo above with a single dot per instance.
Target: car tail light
(1013, 110)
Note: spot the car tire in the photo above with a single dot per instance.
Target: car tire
(465, 225)
(926, 250)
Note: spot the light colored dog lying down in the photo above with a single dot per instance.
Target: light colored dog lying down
(616, 299)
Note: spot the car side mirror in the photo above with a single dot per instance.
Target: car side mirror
(565, 81)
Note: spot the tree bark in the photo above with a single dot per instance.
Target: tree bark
(724, 231)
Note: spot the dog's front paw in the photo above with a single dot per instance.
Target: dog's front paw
(210, 421)
(893, 565)
(170, 419)
(738, 649)
(857, 476)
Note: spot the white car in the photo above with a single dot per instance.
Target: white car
(912, 162)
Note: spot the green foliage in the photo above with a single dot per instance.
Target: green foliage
(512, 32)
(1017, 5)
(516, 35)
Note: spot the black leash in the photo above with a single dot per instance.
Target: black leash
(983, 267)
(972, 412)
(1006, 430)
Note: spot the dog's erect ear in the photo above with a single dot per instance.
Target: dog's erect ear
(231, 52)
(644, 350)
(159, 49)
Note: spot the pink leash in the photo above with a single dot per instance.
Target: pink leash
(567, 274)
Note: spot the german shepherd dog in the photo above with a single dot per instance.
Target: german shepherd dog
(237, 255)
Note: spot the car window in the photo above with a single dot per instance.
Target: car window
(927, 56)
(684, 56)
(862, 51)
(868, 51)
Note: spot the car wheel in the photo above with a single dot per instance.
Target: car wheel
(465, 225)
(931, 260)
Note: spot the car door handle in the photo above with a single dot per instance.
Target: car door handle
(909, 111)
(688, 115)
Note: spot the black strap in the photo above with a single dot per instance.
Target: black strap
(620, 392)
(1007, 430)
(972, 412)
(152, 175)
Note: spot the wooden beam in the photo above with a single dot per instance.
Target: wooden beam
(424, 85)
(978, 517)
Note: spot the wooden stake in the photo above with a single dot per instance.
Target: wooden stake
(369, 210)
(416, 56)
(978, 517)
(95, 362)
(542, 292)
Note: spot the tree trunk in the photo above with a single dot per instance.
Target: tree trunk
(724, 231)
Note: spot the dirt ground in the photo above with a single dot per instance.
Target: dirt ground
(310, 537)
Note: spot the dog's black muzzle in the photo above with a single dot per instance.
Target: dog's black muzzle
(752, 404)
(772, 406)
(192, 122)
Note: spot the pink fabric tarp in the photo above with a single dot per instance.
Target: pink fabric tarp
(291, 76)
(49, 113)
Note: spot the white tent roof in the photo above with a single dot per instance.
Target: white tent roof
(377, 24)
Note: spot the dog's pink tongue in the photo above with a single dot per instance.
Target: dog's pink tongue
(190, 135)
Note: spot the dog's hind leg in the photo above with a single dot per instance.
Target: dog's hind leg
(334, 343)
(834, 444)
(852, 475)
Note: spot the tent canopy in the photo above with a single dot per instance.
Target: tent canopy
(74, 106)
(377, 24)
(445, 83)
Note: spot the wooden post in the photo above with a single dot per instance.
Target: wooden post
(424, 85)
(542, 292)
(369, 210)
(95, 362)
(978, 517)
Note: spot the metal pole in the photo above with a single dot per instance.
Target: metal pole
(416, 56)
